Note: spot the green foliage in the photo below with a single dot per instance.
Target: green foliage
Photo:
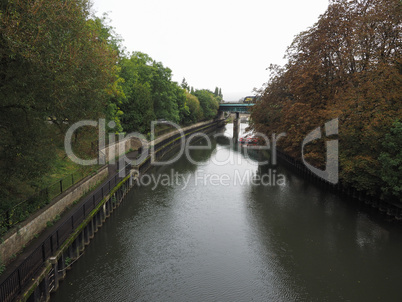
(209, 102)
(184, 84)
(218, 94)
(391, 161)
(138, 108)
(163, 93)
(57, 67)
(151, 94)
(67, 261)
(57, 218)
(60, 65)
(195, 111)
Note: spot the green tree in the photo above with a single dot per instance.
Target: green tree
(209, 103)
(114, 90)
(195, 111)
(55, 70)
(184, 110)
(163, 93)
(138, 108)
(184, 84)
(164, 98)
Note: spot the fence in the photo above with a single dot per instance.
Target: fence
(29, 268)
(21, 211)
(20, 278)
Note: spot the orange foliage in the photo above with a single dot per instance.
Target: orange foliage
(347, 66)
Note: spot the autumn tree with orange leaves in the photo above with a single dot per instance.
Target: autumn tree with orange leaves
(347, 66)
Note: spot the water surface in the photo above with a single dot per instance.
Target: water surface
(237, 241)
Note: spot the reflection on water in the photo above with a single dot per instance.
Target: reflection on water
(216, 237)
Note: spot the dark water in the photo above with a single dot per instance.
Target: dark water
(225, 236)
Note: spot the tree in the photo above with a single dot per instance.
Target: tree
(114, 90)
(138, 108)
(209, 103)
(163, 93)
(181, 99)
(184, 84)
(346, 66)
(195, 111)
(54, 67)
(391, 162)
(151, 94)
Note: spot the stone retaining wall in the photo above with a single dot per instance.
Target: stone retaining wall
(16, 241)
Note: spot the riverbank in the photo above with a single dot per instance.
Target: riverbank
(203, 240)
(98, 202)
(391, 209)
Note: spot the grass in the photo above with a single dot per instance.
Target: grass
(63, 171)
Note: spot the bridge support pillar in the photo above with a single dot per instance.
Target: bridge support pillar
(236, 126)
(220, 114)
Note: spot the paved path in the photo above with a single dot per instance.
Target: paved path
(35, 243)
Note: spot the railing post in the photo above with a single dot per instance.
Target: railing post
(43, 253)
(61, 186)
(72, 179)
(8, 220)
(19, 280)
(51, 244)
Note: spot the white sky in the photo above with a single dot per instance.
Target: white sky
(213, 43)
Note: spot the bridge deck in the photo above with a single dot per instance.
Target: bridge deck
(235, 107)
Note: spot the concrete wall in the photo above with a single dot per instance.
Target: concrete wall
(76, 243)
(119, 148)
(170, 134)
(15, 242)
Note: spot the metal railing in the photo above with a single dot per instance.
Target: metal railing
(21, 277)
(23, 274)
(21, 211)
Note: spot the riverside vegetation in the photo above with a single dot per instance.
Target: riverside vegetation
(61, 64)
(347, 66)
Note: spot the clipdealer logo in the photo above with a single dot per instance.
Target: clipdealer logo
(330, 173)
(107, 154)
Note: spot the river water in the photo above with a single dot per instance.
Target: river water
(215, 226)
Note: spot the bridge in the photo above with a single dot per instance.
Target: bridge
(235, 107)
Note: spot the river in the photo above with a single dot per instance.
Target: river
(220, 232)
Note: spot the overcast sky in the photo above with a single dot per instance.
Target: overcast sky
(213, 43)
